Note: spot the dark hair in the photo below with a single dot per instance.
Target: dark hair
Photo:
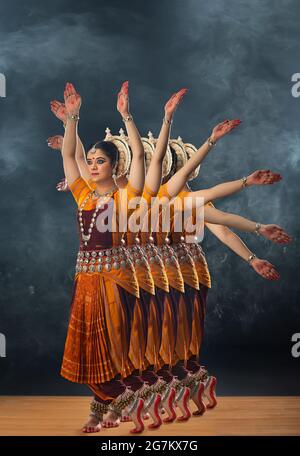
(173, 167)
(109, 149)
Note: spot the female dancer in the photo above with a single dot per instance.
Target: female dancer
(105, 289)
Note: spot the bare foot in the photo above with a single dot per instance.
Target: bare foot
(111, 420)
(93, 425)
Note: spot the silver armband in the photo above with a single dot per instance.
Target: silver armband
(257, 228)
(211, 142)
(251, 258)
(127, 118)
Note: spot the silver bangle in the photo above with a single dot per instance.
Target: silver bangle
(244, 181)
(167, 122)
(211, 142)
(251, 258)
(127, 118)
(73, 116)
(257, 228)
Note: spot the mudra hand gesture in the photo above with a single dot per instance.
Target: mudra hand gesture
(263, 177)
(59, 110)
(265, 269)
(275, 234)
(62, 186)
(72, 100)
(123, 100)
(55, 142)
(224, 128)
(173, 102)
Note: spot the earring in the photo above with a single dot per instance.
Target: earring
(114, 176)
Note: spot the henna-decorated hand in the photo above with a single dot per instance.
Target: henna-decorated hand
(263, 177)
(72, 99)
(63, 186)
(55, 142)
(265, 269)
(275, 234)
(123, 100)
(59, 110)
(173, 102)
(224, 128)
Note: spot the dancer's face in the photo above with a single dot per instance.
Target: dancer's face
(99, 165)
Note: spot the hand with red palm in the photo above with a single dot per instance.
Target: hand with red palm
(265, 269)
(263, 177)
(173, 102)
(59, 110)
(72, 100)
(224, 128)
(123, 100)
(62, 186)
(275, 233)
(55, 142)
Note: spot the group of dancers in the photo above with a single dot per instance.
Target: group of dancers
(137, 314)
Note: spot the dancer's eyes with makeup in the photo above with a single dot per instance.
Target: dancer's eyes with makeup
(99, 161)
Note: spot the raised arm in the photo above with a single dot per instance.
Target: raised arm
(259, 177)
(178, 181)
(137, 170)
(235, 243)
(271, 232)
(73, 103)
(154, 172)
(59, 110)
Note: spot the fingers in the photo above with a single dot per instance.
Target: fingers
(234, 123)
(228, 125)
(71, 89)
(270, 271)
(181, 94)
(281, 237)
(54, 104)
(67, 89)
(276, 234)
(271, 275)
(268, 177)
(176, 98)
(124, 88)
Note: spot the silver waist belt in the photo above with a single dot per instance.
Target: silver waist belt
(99, 260)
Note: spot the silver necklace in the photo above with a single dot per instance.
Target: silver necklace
(99, 195)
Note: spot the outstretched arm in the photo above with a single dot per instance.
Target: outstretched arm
(73, 103)
(259, 177)
(137, 170)
(235, 243)
(272, 232)
(154, 172)
(178, 181)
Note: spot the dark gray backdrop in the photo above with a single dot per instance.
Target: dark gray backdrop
(237, 59)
